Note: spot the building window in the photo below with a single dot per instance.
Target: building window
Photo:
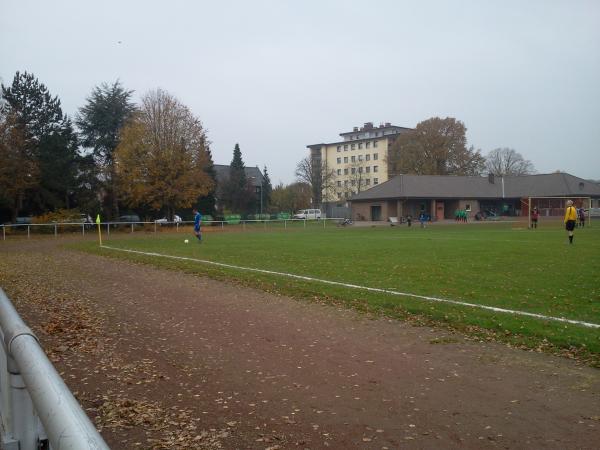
(368, 169)
(367, 157)
(345, 159)
(354, 159)
(375, 168)
(345, 171)
(339, 183)
(353, 146)
(339, 148)
(339, 195)
(367, 144)
(375, 180)
(345, 147)
(374, 143)
(368, 181)
(360, 157)
(339, 171)
(360, 170)
(339, 160)
(360, 145)
(375, 156)
(354, 170)
(345, 182)
(353, 182)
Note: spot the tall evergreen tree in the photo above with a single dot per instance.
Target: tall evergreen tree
(267, 189)
(236, 193)
(48, 136)
(100, 121)
(207, 203)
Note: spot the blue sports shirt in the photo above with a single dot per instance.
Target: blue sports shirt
(197, 220)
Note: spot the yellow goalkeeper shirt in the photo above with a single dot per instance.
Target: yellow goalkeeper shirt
(570, 214)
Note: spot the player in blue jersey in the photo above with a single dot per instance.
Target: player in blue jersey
(197, 222)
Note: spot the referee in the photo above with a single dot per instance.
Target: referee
(570, 219)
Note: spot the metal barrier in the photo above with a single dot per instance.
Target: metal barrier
(37, 410)
(106, 226)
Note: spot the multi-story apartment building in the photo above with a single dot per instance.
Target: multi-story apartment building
(357, 163)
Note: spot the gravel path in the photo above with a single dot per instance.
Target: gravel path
(162, 359)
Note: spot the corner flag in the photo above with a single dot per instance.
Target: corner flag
(99, 232)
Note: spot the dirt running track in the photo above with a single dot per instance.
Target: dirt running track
(162, 359)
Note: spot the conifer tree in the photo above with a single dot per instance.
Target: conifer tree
(100, 122)
(267, 189)
(236, 193)
(47, 135)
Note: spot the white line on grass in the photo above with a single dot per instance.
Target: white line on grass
(363, 288)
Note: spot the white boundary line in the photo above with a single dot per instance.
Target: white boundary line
(363, 288)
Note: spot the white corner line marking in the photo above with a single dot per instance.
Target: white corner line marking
(363, 288)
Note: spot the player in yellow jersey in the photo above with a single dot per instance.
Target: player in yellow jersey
(570, 219)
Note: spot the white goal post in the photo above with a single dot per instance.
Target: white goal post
(574, 198)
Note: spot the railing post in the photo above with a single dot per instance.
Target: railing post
(243, 225)
(23, 428)
(28, 233)
(38, 409)
(222, 224)
(155, 227)
(3, 233)
(55, 230)
(108, 229)
(83, 229)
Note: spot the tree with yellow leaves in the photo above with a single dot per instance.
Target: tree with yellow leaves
(162, 156)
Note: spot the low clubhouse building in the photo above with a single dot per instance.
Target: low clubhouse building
(440, 196)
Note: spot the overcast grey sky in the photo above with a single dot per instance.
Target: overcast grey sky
(276, 76)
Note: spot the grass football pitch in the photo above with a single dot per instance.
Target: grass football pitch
(493, 264)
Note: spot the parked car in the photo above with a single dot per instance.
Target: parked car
(129, 218)
(23, 220)
(308, 214)
(164, 220)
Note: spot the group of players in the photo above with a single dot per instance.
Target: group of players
(573, 216)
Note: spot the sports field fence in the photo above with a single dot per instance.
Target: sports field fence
(72, 228)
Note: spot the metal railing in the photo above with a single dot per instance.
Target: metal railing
(54, 228)
(37, 409)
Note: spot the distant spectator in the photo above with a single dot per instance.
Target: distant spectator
(176, 219)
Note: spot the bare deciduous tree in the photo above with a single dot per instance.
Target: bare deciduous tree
(506, 161)
(318, 177)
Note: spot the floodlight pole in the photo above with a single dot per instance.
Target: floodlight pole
(261, 189)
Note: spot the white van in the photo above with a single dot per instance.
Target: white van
(308, 214)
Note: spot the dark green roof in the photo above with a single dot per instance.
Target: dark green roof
(448, 186)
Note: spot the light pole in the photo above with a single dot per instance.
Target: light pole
(261, 188)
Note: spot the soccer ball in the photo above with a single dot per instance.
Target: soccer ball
(186, 241)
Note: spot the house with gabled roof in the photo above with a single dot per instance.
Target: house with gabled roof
(439, 196)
